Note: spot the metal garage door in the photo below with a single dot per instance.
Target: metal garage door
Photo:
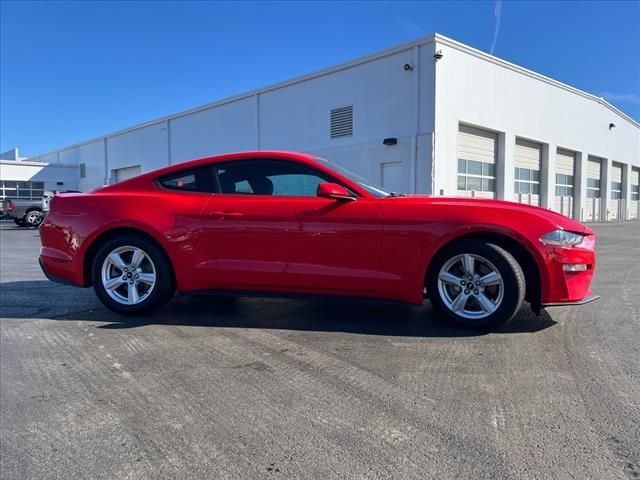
(527, 161)
(565, 176)
(616, 204)
(634, 207)
(120, 174)
(592, 202)
(477, 152)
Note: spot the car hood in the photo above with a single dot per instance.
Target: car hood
(513, 208)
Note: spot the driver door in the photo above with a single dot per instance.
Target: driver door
(266, 229)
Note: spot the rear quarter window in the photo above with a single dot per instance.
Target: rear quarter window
(192, 180)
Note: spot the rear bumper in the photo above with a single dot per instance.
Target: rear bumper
(52, 277)
(60, 267)
(587, 299)
(60, 255)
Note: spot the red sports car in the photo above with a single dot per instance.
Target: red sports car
(278, 223)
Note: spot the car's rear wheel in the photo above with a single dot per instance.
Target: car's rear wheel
(33, 218)
(476, 284)
(132, 275)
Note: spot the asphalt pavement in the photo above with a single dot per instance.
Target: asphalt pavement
(262, 388)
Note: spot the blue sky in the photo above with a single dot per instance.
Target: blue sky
(70, 71)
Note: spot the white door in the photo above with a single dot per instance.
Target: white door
(121, 174)
(616, 204)
(477, 152)
(392, 177)
(592, 202)
(527, 160)
(634, 206)
(565, 182)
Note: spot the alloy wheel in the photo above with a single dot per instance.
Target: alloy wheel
(128, 275)
(470, 286)
(34, 218)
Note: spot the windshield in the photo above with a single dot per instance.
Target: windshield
(370, 187)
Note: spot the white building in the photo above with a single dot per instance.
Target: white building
(23, 179)
(432, 116)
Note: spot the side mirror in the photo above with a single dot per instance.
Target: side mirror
(333, 190)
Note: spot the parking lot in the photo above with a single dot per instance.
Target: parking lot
(264, 388)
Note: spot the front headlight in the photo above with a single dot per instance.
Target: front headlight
(562, 238)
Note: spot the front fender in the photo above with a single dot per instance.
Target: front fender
(490, 229)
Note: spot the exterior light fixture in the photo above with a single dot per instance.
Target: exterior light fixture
(438, 55)
(612, 126)
(390, 141)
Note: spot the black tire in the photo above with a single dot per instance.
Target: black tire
(163, 289)
(33, 218)
(513, 283)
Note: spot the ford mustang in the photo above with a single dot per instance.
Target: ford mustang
(280, 223)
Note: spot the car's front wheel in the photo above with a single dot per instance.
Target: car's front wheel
(132, 275)
(476, 284)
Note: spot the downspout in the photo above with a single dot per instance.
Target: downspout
(435, 122)
(107, 179)
(168, 142)
(413, 165)
(257, 96)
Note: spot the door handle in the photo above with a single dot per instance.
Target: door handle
(226, 214)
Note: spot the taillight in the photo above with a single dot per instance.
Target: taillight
(589, 242)
(10, 206)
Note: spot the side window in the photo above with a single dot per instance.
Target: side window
(195, 180)
(296, 185)
(269, 177)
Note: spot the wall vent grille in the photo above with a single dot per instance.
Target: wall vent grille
(342, 122)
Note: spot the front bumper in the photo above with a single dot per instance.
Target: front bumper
(566, 285)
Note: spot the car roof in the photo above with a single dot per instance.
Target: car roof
(301, 157)
(146, 180)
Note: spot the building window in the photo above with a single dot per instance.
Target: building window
(635, 192)
(593, 188)
(616, 190)
(527, 180)
(21, 190)
(476, 176)
(83, 170)
(564, 185)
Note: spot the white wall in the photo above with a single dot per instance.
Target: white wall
(479, 92)
(50, 158)
(92, 155)
(147, 147)
(368, 160)
(385, 104)
(226, 128)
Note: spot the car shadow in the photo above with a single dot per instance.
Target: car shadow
(46, 300)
